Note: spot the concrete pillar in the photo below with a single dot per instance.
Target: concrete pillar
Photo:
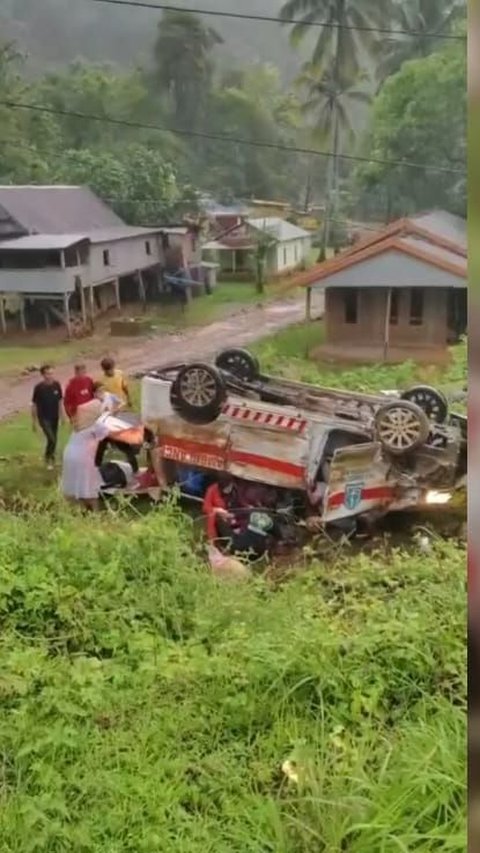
(23, 324)
(116, 285)
(308, 306)
(141, 288)
(83, 304)
(3, 319)
(66, 313)
(91, 304)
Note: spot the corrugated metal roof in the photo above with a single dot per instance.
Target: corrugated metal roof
(446, 225)
(121, 232)
(57, 209)
(435, 252)
(278, 228)
(42, 241)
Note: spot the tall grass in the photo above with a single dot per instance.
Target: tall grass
(146, 708)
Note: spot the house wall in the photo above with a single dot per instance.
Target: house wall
(188, 246)
(125, 257)
(54, 280)
(287, 256)
(370, 327)
(393, 267)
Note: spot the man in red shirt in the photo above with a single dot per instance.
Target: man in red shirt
(79, 390)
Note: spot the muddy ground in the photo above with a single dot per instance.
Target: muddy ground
(240, 329)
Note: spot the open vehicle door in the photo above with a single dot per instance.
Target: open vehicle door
(358, 483)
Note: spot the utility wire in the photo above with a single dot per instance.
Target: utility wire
(218, 137)
(242, 16)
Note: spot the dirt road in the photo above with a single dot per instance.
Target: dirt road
(238, 330)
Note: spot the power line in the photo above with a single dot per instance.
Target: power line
(242, 16)
(217, 137)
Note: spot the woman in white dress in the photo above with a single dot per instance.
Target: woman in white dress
(81, 479)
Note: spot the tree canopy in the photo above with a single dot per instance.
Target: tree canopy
(420, 115)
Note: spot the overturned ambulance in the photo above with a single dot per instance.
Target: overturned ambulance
(366, 455)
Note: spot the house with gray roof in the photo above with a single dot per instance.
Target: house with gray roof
(286, 246)
(401, 293)
(64, 252)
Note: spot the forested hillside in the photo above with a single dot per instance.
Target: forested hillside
(56, 31)
(365, 115)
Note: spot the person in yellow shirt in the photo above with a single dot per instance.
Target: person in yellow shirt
(113, 381)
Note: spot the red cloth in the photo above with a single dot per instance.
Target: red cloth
(147, 480)
(213, 500)
(79, 391)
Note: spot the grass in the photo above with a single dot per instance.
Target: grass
(146, 708)
(286, 354)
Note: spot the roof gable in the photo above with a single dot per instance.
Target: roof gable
(56, 209)
(421, 250)
(438, 227)
(278, 229)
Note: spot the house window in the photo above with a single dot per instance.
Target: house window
(194, 244)
(106, 258)
(285, 257)
(148, 248)
(351, 307)
(296, 252)
(394, 308)
(417, 306)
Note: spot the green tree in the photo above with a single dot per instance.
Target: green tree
(345, 44)
(183, 64)
(331, 101)
(27, 139)
(250, 106)
(420, 114)
(338, 42)
(134, 180)
(98, 90)
(430, 18)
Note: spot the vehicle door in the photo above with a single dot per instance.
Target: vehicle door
(358, 483)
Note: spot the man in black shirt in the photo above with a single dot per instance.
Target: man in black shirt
(47, 410)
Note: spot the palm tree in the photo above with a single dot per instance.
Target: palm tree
(421, 16)
(345, 44)
(331, 100)
(338, 40)
(183, 63)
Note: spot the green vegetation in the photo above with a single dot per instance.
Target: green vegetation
(286, 353)
(182, 86)
(145, 707)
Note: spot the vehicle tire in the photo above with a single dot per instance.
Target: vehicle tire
(431, 401)
(198, 393)
(239, 363)
(401, 427)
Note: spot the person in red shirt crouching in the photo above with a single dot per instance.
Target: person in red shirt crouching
(79, 390)
(218, 502)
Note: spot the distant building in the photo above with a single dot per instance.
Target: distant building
(64, 254)
(400, 293)
(287, 246)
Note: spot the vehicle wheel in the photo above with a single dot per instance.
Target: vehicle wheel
(401, 427)
(239, 363)
(198, 394)
(431, 401)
